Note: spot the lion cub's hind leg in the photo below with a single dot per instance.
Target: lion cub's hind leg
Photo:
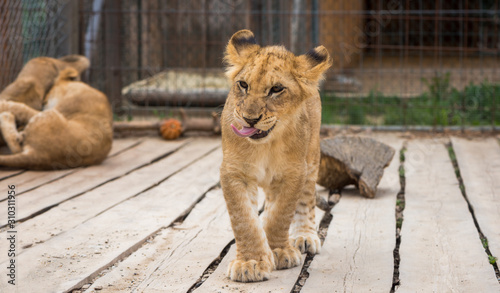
(303, 233)
(9, 131)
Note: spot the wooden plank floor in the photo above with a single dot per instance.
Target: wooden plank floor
(152, 218)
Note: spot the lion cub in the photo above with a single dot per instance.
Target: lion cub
(38, 76)
(73, 129)
(270, 138)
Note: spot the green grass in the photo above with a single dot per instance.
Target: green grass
(440, 105)
(402, 155)
(484, 241)
(399, 223)
(401, 171)
(400, 204)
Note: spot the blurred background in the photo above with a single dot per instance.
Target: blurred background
(402, 64)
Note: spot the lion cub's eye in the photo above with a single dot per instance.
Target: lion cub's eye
(276, 89)
(243, 84)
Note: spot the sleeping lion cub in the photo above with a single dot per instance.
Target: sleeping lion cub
(38, 76)
(270, 138)
(73, 129)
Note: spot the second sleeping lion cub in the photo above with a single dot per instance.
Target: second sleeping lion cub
(270, 138)
(73, 129)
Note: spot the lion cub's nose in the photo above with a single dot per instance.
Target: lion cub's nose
(252, 122)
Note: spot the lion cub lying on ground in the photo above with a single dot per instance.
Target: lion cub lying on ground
(270, 138)
(36, 78)
(74, 129)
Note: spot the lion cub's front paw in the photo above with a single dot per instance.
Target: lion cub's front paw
(307, 243)
(250, 271)
(287, 257)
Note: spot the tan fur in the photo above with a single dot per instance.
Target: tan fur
(284, 163)
(37, 77)
(74, 129)
(35, 80)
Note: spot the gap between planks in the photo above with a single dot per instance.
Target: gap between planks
(478, 164)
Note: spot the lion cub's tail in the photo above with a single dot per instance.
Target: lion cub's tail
(24, 160)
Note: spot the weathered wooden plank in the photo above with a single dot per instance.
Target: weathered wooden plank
(83, 208)
(183, 254)
(440, 249)
(357, 255)
(178, 255)
(479, 163)
(27, 180)
(88, 178)
(279, 280)
(123, 144)
(30, 180)
(72, 259)
(4, 174)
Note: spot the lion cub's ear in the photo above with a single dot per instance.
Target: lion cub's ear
(239, 48)
(316, 62)
(79, 62)
(69, 74)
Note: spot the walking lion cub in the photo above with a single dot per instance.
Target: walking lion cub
(270, 138)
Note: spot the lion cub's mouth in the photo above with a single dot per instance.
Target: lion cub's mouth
(251, 132)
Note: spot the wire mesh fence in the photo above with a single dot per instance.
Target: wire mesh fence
(398, 62)
(30, 29)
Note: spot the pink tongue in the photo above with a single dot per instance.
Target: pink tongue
(245, 131)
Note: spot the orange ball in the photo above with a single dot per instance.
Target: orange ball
(171, 129)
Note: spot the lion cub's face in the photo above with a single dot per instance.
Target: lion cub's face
(269, 84)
